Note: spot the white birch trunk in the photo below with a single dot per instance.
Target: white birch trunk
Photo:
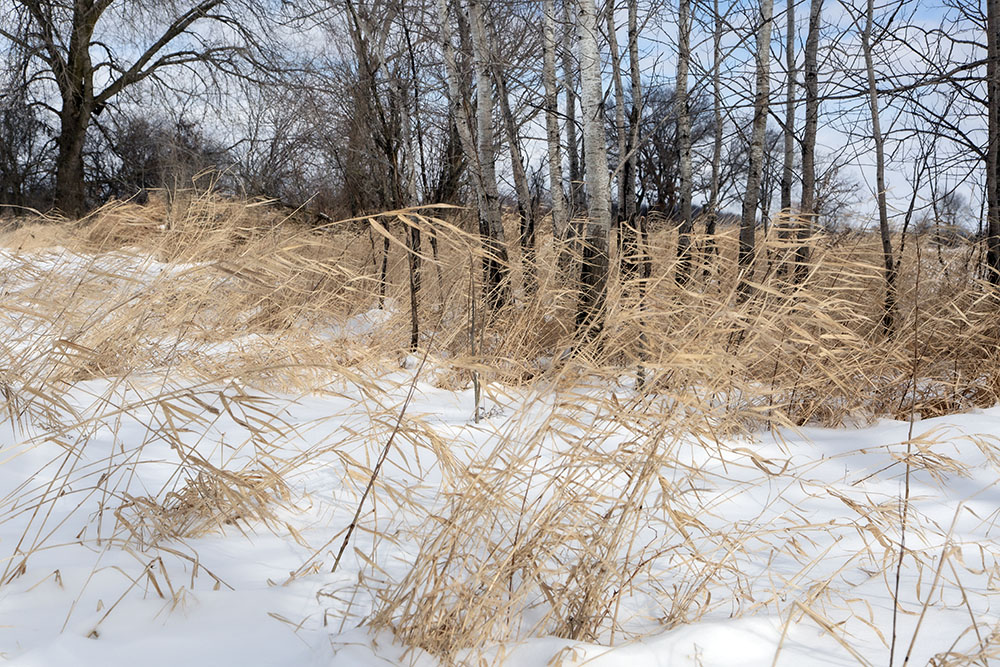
(560, 218)
(684, 141)
(616, 77)
(633, 257)
(595, 265)
(576, 196)
(479, 154)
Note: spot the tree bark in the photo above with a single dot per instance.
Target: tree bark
(596, 261)
(616, 79)
(490, 220)
(75, 79)
(883, 214)
(560, 219)
(807, 205)
(635, 80)
(993, 150)
(576, 195)
(488, 201)
(682, 274)
(73, 122)
(633, 255)
(713, 197)
(754, 172)
(788, 168)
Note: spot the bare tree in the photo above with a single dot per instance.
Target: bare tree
(560, 218)
(807, 206)
(619, 88)
(713, 197)
(993, 149)
(760, 111)
(634, 227)
(491, 224)
(684, 141)
(67, 43)
(570, 71)
(788, 167)
(877, 137)
(596, 261)
(479, 153)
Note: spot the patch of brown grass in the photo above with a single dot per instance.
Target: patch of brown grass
(209, 292)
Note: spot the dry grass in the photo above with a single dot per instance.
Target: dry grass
(210, 307)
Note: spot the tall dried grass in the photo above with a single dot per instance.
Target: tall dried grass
(213, 306)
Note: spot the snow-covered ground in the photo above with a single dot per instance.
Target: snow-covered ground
(800, 527)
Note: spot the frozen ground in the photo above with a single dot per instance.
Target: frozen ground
(252, 594)
(94, 575)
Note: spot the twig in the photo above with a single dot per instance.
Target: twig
(906, 477)
(381, 460)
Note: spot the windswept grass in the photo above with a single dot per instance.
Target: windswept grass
(596, 510)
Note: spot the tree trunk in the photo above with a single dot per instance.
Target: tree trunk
(788, 167)
(883, 214)
(490, 220)
(462, 124)
(488, 204)
(73, 122)
(788, 132)
(560, 219)
(75, 79)
(993, 150)
(595, 264)
(412, 230)
(576, 203)
(807, 206)
(684, 142)
(713, 197)
(755, 170)
(616, 78)
(633, 255)
(525, 210)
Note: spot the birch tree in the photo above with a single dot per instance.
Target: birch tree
(760, 111)
(619, 88)
(634, 229)
(595, 263)
(684, 141)
(560, 218)
(479, 153)
(576, 197)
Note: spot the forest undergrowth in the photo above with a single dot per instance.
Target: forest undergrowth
(180, 317)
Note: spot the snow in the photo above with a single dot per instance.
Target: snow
(811, 582)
